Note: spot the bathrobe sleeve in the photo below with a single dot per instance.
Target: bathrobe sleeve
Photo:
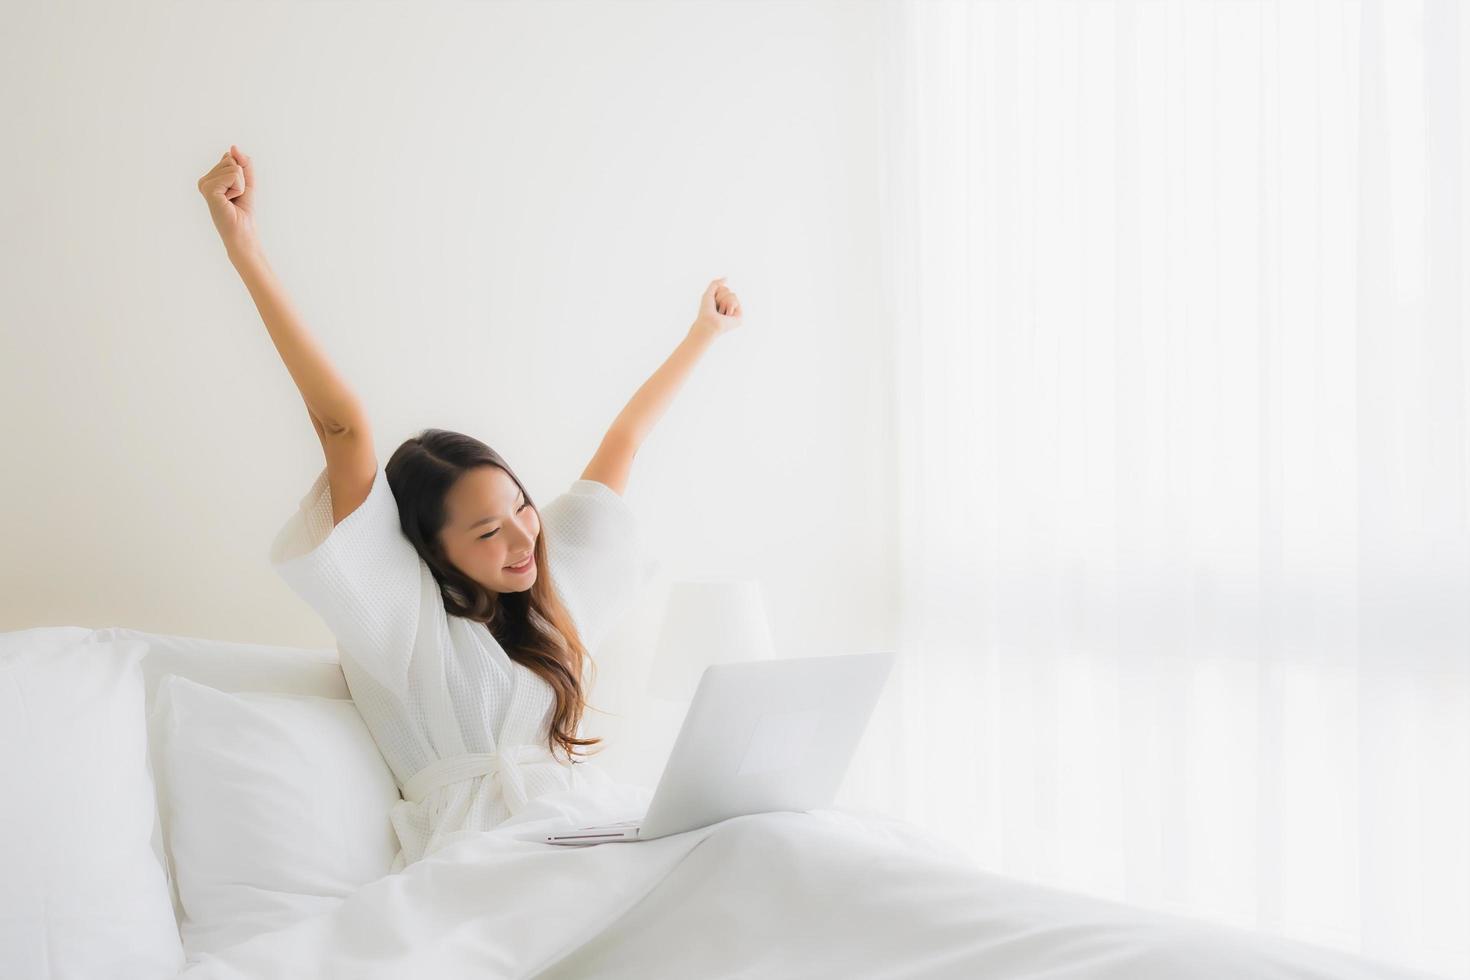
(362, 576)
(594, 550)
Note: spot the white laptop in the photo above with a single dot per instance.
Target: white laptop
(759, 736)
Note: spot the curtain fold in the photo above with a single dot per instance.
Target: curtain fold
(1181, 441)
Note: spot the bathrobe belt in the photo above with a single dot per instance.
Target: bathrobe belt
(505, 764)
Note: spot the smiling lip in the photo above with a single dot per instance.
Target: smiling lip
(522, 569)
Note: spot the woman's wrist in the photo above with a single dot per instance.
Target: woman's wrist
(704, 331)
(245, 252)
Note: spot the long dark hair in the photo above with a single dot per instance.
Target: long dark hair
(533, 625)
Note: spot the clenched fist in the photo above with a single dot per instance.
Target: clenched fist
(229, 188)
(719, 309)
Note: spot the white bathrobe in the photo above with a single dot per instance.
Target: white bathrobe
(463, 727)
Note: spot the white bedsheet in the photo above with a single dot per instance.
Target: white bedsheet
(831, 893)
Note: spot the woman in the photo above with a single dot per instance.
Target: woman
(463, 613)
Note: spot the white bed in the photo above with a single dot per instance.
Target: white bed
(195, 808)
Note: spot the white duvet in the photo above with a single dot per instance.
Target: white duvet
(832, 893)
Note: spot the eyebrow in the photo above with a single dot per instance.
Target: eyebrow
(487, 520)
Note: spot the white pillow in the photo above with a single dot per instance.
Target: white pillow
(275, 807)
(82, 893)
(42, 638)
(229, 665)
(226, 665)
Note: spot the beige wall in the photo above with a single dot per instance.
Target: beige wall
(498, 218)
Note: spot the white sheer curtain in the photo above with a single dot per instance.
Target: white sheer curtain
(1180, 363)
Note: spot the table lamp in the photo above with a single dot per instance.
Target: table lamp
(707, 620)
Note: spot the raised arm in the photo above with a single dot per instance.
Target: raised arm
(336, 414)
(326, 393)
(229, 187)
(719, 312)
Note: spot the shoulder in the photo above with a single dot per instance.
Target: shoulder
(586, 511)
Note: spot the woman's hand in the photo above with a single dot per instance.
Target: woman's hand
(719, 309)
(230, 190)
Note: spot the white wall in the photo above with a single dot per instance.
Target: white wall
(498, 218)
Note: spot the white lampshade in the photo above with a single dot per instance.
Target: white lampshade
(708, 620)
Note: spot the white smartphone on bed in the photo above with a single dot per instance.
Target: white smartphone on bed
(759, 736)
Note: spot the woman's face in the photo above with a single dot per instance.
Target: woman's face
(490, 527)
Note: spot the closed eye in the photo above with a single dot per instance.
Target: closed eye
(492, 533)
